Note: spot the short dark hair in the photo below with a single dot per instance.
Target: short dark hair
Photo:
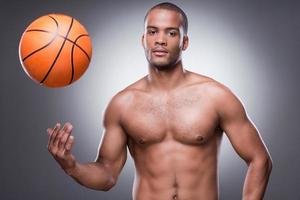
(171, 6)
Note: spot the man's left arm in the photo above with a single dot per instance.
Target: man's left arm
(247, 142)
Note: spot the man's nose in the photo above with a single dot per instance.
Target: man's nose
(161, 39)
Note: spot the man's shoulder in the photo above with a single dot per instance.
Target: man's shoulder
(212, 88)
(126, 95)
(138, 86)
(206, 83)
(224, 98)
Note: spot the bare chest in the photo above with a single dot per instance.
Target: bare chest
(186, 118)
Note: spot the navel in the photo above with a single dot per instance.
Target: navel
(175, 197)
(175, 185)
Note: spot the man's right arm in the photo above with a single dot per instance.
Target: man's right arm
(103, 173)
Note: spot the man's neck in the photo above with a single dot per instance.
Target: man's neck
(166, 79)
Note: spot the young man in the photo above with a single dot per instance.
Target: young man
(172, 121)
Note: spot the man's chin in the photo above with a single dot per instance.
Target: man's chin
(163, 66)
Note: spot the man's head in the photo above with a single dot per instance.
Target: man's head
(165, 35)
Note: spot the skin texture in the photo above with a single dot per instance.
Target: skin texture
(172, 121)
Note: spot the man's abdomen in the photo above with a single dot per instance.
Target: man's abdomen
(172, 170)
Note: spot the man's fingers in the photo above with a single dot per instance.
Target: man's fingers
(69, 144)
(53, 134)
(60, 142)
(49, 131)
(65, 136)
(59, 135)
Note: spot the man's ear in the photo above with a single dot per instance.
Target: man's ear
(185, 42)
(143, 37)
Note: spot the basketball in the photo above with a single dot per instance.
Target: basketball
(55, 50)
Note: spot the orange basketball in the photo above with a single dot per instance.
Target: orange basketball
(55, 50)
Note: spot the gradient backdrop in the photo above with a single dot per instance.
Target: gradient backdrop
(253, 47)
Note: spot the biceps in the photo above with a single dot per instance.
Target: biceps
(245, 140)
(112, 148)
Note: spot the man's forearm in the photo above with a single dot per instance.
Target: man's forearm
(92, 175)
(257, 179)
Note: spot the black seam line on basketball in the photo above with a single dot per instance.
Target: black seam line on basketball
(40, 30)
(58, 52)
(72, 56)
(45, 44)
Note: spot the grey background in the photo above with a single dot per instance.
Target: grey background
(250, 46)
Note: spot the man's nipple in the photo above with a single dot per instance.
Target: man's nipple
(141, 141)
(200, 138)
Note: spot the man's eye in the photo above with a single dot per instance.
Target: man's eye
(151, 32)
(172, 33)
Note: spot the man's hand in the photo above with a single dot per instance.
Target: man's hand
(60, 144)
(101, 174)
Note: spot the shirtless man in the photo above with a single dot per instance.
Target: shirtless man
(172, 121)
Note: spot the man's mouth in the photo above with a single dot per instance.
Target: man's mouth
(160, 52)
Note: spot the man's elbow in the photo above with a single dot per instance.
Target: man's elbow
(110, 184)
(264, 162)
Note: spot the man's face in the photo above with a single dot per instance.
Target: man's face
(163, 39)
